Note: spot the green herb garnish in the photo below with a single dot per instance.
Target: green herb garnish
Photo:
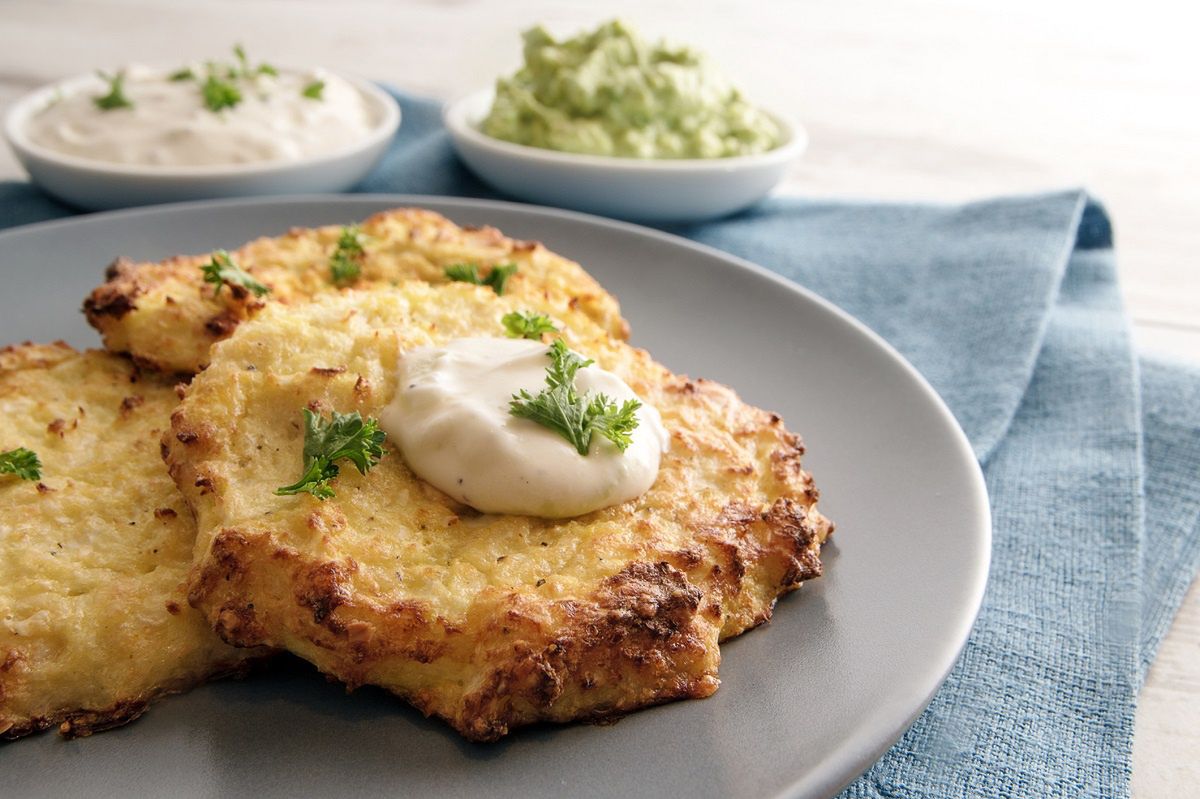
(527, 324)
(219, 94)
(469, 273)
(116, 93)
(219, 89)
(244, 69)
(343, 436)
(463, 273)
(239, 53)
(221, 270)
(560, 408)
(344, 264)
(22, 462)
(314, 90)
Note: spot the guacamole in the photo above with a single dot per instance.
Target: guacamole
(608, 92)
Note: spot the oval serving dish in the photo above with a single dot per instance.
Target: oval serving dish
(647, 190)
(99, 185)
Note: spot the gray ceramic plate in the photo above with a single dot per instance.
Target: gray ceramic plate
(806, 702)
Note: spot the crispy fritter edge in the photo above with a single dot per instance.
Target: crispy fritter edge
(81, 722)
(649, 613)
(117, 296)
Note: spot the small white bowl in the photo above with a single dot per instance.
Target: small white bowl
(645, 190)
(98, 185)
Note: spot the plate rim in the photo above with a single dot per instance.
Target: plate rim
(864, 746)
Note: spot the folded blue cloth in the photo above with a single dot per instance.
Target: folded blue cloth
(1011, 309)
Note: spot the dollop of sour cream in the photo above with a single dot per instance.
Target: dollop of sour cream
(450, 418)
(169, 125)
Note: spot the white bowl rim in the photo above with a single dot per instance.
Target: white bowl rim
(28, 104)
(454, 116)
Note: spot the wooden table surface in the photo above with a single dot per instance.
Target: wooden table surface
(916, 99)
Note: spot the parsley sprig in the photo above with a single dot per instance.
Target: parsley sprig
(345, 262)
(345, 436)
(219, 89)
(222, 270)
(576, 418)
(22, 462)
(527, 324)
(244, 69)
(219, 93)
(116, 93)
(469, 273)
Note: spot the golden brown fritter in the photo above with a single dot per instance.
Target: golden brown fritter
(94, 619)
(488, 621)
(167, 318)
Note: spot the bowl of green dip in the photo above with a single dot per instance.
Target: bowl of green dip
(608, 123)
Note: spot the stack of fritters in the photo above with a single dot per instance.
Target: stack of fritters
(488, 621)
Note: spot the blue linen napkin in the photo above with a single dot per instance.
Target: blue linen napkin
(1011, 309)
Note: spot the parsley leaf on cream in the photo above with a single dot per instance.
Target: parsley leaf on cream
(314, 90)
(22, 462)
(219, 90)
(222, 270)
(614, 423)
(345, 436)
(219, 94)
(244, 69)
(469, 273)
(116, 93)
(527, 324)
(560, 408)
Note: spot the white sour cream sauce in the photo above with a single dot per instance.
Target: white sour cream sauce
(450, 418)
(170, 126)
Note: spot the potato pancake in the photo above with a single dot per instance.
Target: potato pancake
(94, 619)
(166, 317)
(487, 621)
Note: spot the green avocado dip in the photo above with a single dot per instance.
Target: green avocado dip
(608, 92)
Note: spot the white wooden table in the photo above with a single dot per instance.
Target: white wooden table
(917, 99)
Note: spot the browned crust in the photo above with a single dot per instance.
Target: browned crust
(570, 661)
(646, 630)
(127, 281)
(223, 324)
(82, 722)
(117, 296)
(648, 626)
(131, 403)
(28, 355)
